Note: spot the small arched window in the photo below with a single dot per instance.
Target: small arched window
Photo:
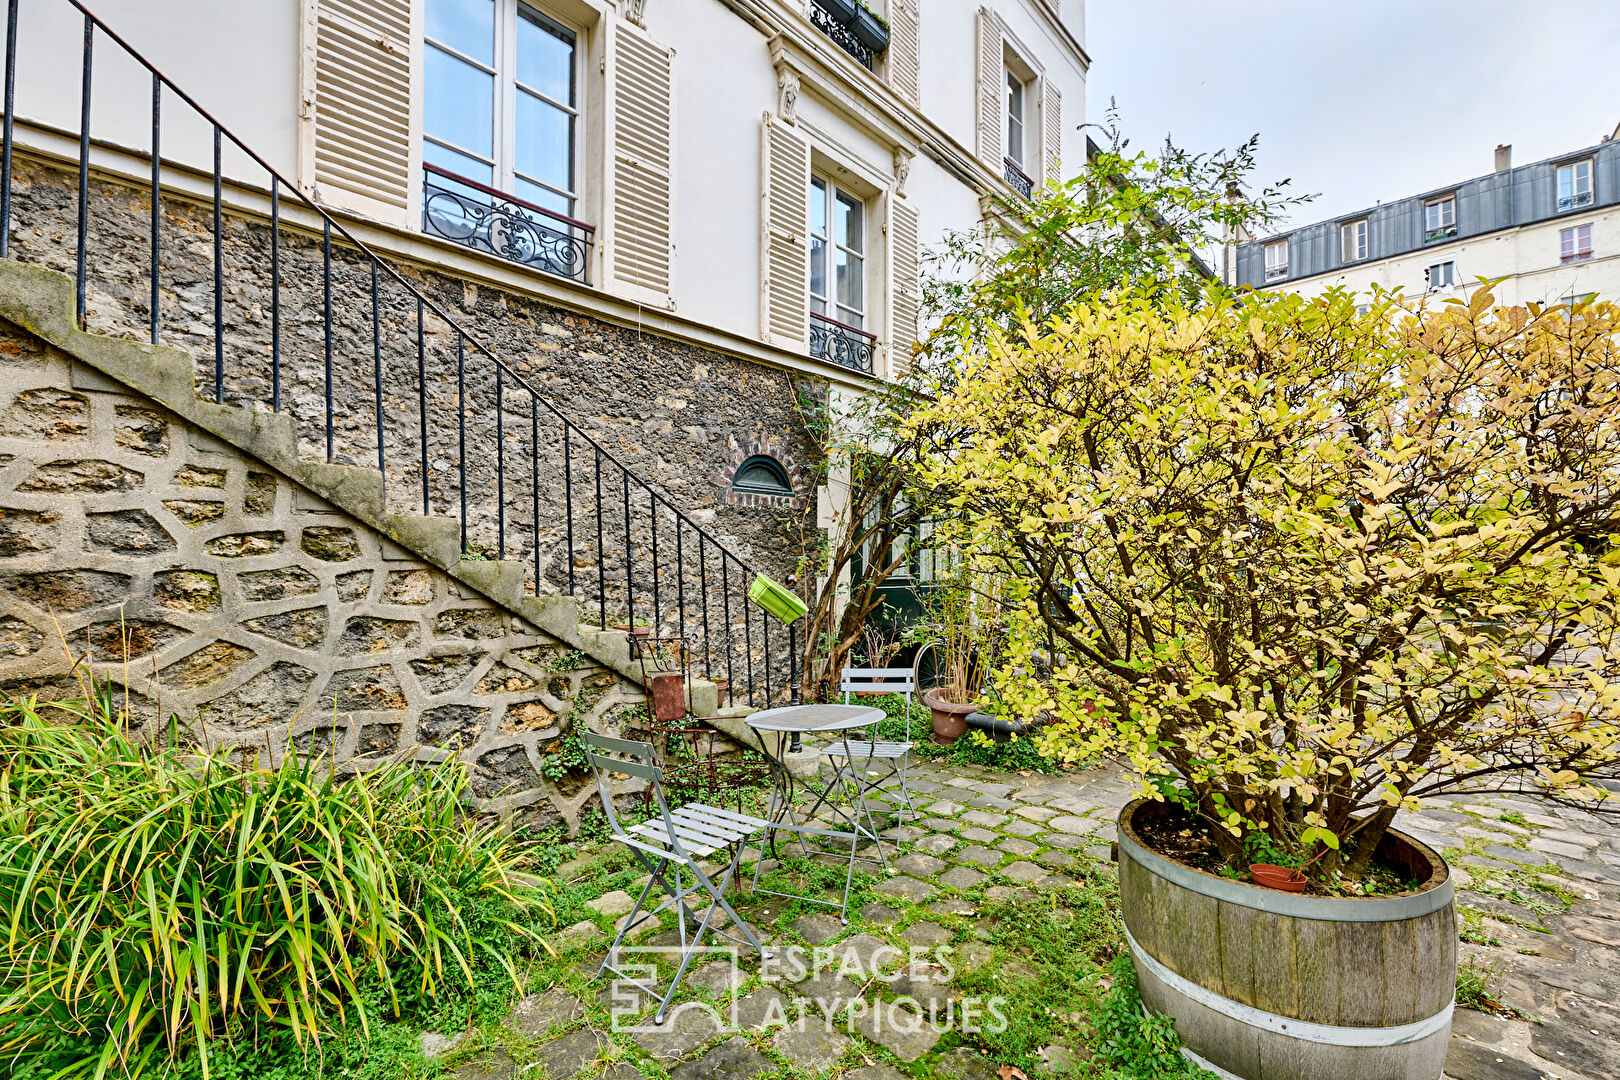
(762, 475)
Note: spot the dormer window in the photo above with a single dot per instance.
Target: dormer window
(1575, 185)
(1440, 218)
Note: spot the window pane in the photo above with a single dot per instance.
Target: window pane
(534, 193)
(850, 293)
(818, 268)
(545, 56)
(468, 26)
(849, 223)
(1015, 118)
(460, 164)
(545, 142)
(460, 103)
(818, 207)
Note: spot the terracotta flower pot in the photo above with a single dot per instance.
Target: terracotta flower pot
(950, 719)
(1277, 877)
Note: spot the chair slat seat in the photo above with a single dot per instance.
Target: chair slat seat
(855, 749)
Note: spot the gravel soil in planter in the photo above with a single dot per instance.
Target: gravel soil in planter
(1268, 985)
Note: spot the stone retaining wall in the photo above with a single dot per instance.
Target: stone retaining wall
(140, 548)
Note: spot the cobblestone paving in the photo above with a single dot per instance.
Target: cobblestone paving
(1539, 908)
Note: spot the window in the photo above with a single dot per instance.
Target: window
(1353, 240)
(1277, 260)
(837, 253)
(1442, 275)
(761, 475)
(1575, 184)
(501, 99)
(1440, 218)
(1575, 243)
(1015, 118)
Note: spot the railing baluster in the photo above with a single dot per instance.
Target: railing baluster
(657, 604)
(461, 421)
(500, 469)
(376, 378)
(275, 293)
(5, 133)
(601, 568)
(748, 639)
(765, 653)
(568, 501)
(629, 589)
(157, 213)
(703, 597)
(534, 486)
(219, 276)
(680, 579)
(421, 402)
(326, 285)
(725, 603)
(84, 170)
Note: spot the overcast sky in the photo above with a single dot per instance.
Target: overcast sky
(1362, 101)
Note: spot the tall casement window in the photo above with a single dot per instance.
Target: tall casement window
(501, 99)
(1440, 218)
(1575, 184)
(1277, 260)
(1015, 118)
(837, 254)
(1353, 240)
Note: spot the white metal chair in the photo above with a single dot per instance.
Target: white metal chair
(854, 758)
(676, 839)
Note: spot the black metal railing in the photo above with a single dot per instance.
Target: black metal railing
(1016, 177)
(483, 218)
(842, 36)
(595, 529)
(840, 343)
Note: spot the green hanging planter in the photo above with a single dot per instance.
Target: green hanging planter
(776, 599)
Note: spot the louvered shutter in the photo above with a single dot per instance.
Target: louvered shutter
(902, 54)
(905, 296)
(784, 260)
(1052, 126)
(643, 133)
(358, 99)
(992, 79)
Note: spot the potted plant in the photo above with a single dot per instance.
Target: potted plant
(1309, 567)
(870, 28)
(957, 671)
(639, 630)
(842, 11)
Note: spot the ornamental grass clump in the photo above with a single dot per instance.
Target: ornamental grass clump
(157, 898)
(1300, 567)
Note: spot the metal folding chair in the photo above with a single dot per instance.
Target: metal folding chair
(674, 841)
(853, 758)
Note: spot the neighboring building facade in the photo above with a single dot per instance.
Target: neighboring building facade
(1551, 229)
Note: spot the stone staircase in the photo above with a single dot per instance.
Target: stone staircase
(42, 302)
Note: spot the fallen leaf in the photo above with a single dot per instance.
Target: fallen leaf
(1011, 1072)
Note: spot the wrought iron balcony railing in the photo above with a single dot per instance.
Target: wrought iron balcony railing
(483, 218)
(1017, 178)
(842, 35)
(842, 344)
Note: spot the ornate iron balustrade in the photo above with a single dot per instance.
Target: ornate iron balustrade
(484, 219)
(842, 344)
(1017, 178)
(842, 36)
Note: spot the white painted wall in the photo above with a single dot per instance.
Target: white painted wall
(1528, 257)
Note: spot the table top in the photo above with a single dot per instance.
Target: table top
(814, 718)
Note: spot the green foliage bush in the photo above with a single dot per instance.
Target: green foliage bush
(165, 906)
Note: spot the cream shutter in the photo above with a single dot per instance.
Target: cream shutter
(902, 54)
(1052, 127)
(357, 98)
(643, 129)
(905, 296)
(992, 79)
(784, 258)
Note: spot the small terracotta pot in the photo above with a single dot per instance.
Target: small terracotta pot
(950, 719)
(1281, 878)
(640, 633)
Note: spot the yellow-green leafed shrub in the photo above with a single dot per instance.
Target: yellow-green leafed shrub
(155, 897)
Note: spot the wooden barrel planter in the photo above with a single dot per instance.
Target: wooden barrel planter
(1268, 985)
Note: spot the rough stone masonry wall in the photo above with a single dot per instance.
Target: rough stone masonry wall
(254, 610)
(680, 417)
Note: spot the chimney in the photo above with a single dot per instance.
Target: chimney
(1504, 157)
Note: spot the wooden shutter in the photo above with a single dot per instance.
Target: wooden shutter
(784, 259)
(1052, 126)
(902, 54)
(905, 289)
(991, 87)
(643, 126)
(358, 98)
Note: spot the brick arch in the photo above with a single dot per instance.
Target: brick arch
(771, 446)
